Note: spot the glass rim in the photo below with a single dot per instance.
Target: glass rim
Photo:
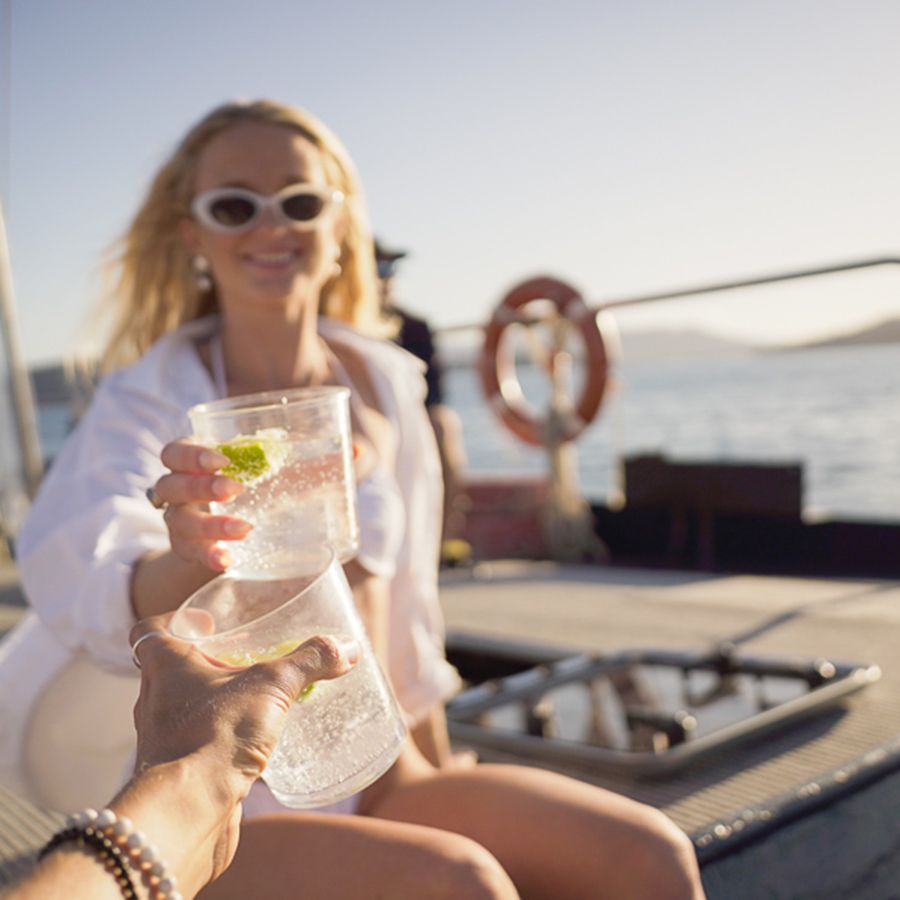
(265, 400)
(330, 557)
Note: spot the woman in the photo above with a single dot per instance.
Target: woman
(257, 220)
(194, 831)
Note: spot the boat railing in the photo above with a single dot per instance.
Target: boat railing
(22, 475)
(562, 465)
(716, 287)
(22, 401)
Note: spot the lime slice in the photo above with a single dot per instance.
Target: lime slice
(249, 657)
(254, 456)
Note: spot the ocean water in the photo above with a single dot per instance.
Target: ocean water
(836, 410)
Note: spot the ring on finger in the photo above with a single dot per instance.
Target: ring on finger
(139, 641)
(156, 501)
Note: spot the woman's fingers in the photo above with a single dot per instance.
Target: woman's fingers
(207, 553)
(193, 478)
(186, 492)
(193, 535)
(184, 455)
(179, 488)
(188, 523)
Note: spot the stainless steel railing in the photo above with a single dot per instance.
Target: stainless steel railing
(714, 288)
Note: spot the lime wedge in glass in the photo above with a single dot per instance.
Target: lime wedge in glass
(249, 657)
(254, 456)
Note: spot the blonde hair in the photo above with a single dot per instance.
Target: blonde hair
(153, 285)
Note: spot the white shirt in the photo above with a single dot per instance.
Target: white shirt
(91, 521)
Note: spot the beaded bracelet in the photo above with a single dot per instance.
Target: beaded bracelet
(117, 841)
(111, 855)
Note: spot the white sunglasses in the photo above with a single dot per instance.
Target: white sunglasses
(234, 209)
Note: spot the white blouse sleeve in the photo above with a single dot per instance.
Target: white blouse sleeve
(419, 670)
(91, 521)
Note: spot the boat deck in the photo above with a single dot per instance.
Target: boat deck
(610, 609)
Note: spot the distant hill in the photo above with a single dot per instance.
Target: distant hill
(887, 332)
(666, 344)
(637, 346)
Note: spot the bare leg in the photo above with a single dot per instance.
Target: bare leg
(556, 837)
(290, 855)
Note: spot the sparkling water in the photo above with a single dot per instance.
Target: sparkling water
(337, 739)
(341, 734)
(305, 499)
(835, 409)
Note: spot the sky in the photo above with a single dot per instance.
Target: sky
(626, 148)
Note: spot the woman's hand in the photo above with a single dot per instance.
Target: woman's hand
(204, 734)
(192, 485)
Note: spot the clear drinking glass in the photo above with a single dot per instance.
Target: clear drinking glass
(292, 450)
(339, 735)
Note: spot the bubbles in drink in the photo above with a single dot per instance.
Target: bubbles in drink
(304, 496)
(336, 735)
(343, 733)
(339, 734)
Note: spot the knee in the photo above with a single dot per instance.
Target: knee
(668, 858)
(466, 869)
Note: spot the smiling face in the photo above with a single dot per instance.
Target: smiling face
(275, 264)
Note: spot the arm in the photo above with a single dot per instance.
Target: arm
(91, 521)
(419, 668)
(161, 580)
(371, 594)
(167, 802)
(372, 597)
(432, 739)
(55, 876)
(204, 734)
(82, 547)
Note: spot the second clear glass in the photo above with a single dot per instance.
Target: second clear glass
(339, 735)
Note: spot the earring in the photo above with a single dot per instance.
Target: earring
(336, 266)
(202, 280)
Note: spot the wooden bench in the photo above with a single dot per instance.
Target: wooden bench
(702, 490)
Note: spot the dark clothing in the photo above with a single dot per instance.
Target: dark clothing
(415, 336)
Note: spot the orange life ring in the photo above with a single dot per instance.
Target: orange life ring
(498, 369)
